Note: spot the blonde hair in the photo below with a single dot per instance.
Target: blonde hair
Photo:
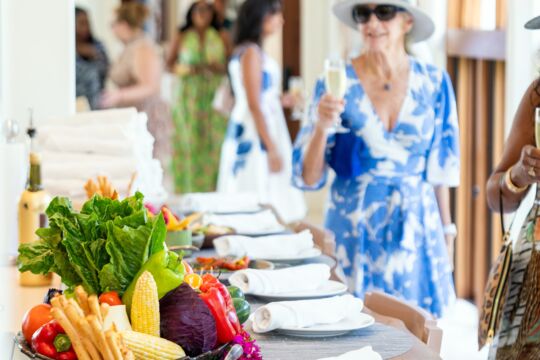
(133, 13)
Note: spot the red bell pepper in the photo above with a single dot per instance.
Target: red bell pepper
(51, 340)
(219, 301)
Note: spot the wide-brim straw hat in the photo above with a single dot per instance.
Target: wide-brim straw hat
(423, 26)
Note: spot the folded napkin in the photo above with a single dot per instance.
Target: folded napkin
(220, 202)
(270, 282)
(304, 313)
(261, 222)
(365, 353)
(270, 247)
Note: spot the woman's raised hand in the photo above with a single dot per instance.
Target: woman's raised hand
(329, 110)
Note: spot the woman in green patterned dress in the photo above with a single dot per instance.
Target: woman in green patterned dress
(198, 56)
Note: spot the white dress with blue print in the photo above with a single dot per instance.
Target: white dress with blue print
(244, 162)
(382, 205)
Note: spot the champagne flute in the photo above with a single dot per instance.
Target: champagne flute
(335, 77)
(296, 89)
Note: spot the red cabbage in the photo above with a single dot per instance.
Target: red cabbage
(187, 321)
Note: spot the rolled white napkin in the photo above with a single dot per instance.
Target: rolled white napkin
(365, 353)
(261, 222)
(270, 282)
(220, 202)
(304, 313)
(271, 247)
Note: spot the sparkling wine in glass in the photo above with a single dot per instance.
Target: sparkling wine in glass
(335, 77)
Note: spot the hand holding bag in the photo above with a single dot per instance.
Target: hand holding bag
(496, 287)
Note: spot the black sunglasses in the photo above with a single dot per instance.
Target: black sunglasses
(362, 13)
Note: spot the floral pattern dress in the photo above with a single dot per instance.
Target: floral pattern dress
(244, 161)
(199, 130)
(382, 205)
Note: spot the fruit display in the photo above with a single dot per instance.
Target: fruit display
(126, 296)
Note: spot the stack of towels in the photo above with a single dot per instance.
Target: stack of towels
(112, 143)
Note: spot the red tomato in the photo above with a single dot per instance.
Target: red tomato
(35, 318)
(187, 267)
(111, 298)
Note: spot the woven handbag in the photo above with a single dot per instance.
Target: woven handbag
(496, 287)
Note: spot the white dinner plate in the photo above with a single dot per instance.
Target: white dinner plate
(305, 255)
(278, 229)
(328, 289)
(352, 323)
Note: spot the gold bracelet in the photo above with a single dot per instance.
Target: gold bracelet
(510, 184)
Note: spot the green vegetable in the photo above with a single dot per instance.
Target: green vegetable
(102, 247)
(168, 271)
(243, 309)
(236, 292)
(62, 343)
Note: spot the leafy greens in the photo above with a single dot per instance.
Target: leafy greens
(102, 247)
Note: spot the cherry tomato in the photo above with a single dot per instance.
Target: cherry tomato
(35, 318)
(111, 298)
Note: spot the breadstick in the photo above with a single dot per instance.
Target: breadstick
(76, 340)
(74, 305)
(82, 299)
(104, 310)
(98, 333)
(75, 318)
(131, 182)
(112, 338)
(93, 304)
(86, 330)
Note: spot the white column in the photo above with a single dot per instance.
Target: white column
(522, 57)
(37, 70)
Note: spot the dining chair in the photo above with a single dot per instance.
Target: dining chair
(419, 322)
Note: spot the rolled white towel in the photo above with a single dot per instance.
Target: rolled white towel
(304, 313)
(270, 247)
(269, 282)
(261, 222)
(365, 353)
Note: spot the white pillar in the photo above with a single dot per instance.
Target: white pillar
(522, 57)
(37, 70)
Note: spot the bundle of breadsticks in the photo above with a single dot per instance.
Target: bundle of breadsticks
(103, 188)
(82, 319)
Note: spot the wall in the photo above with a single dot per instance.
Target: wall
(37, 69)
(522, 54)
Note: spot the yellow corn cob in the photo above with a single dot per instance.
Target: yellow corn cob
(147, 347)
(145, 306)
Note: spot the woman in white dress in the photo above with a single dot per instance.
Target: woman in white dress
(257, 152)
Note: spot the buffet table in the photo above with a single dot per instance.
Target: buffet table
(274, 346)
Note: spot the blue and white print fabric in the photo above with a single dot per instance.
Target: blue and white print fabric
(244, 160)
(382, 205)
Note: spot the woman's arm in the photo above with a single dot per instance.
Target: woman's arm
(172, 55)
(227, 42)
(147, 72)
(520, 155)
(252, 75)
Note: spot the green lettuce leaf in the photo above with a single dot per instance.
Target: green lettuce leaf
(102, 247)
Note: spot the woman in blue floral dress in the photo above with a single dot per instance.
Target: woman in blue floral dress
(389, 202)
